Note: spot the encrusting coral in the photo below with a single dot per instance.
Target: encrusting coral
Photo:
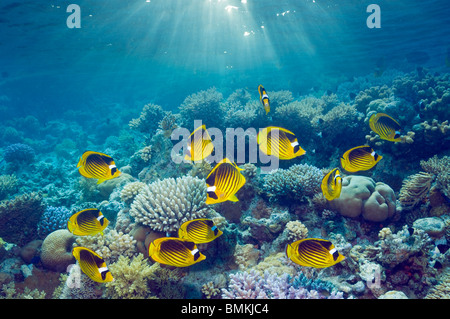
(165, 204)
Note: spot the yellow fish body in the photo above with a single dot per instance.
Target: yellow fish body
(279, 142)
(332, 184)
(223, 182)
(92, 264)
(313, 252)
(200, 231)
(264, 98)
(360, 158)
(174, 251)
(385, 126)
(89, 221)
(97, 165)
(199, 145)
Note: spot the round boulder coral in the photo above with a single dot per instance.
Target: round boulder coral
(56, 250)
(362, 196)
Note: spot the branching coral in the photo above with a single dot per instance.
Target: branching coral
(8, 185)
(204, 106)
(130, 278)
(295, 183)
(165, 204)
(52, 219)
(111, 245)
(399, 247)
(130, 190)
(19, 218)
(251, 285)
(19, 153)
(148, 120)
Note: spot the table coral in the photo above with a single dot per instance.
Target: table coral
(362, 196)
(165, 204)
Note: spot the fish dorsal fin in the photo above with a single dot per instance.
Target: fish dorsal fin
(189, 245)
(325, 244)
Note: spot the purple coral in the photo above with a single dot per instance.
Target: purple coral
(18, 153)
(251, 285)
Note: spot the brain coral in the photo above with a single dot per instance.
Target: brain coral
(56, 251)
(361, 195)
(165, 204)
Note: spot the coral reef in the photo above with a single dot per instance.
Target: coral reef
(414, 189)
(111, 245)
(19, 153)
(19, 218)
(56, 251)
(8, 185)
(130, 278)
(251, 285)
(149, 119)
(165, 204)
(362, 196)
(53, 218)
(295, 183)
(204, 106)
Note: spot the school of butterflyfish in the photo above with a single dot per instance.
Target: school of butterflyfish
(223, 183)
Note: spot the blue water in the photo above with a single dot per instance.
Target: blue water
(162, 51)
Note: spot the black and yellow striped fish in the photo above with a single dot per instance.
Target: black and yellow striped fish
(87, 222)
(332, 184)
(264, 98)
(385, 126)
(174, 251)
(223, 182)
(199, 145)
(200, 231)
(313, 252)
(92, 264)
(279, 142)
(360, 158)
(97, 165)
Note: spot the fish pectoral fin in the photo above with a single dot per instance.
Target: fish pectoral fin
(233, 198)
